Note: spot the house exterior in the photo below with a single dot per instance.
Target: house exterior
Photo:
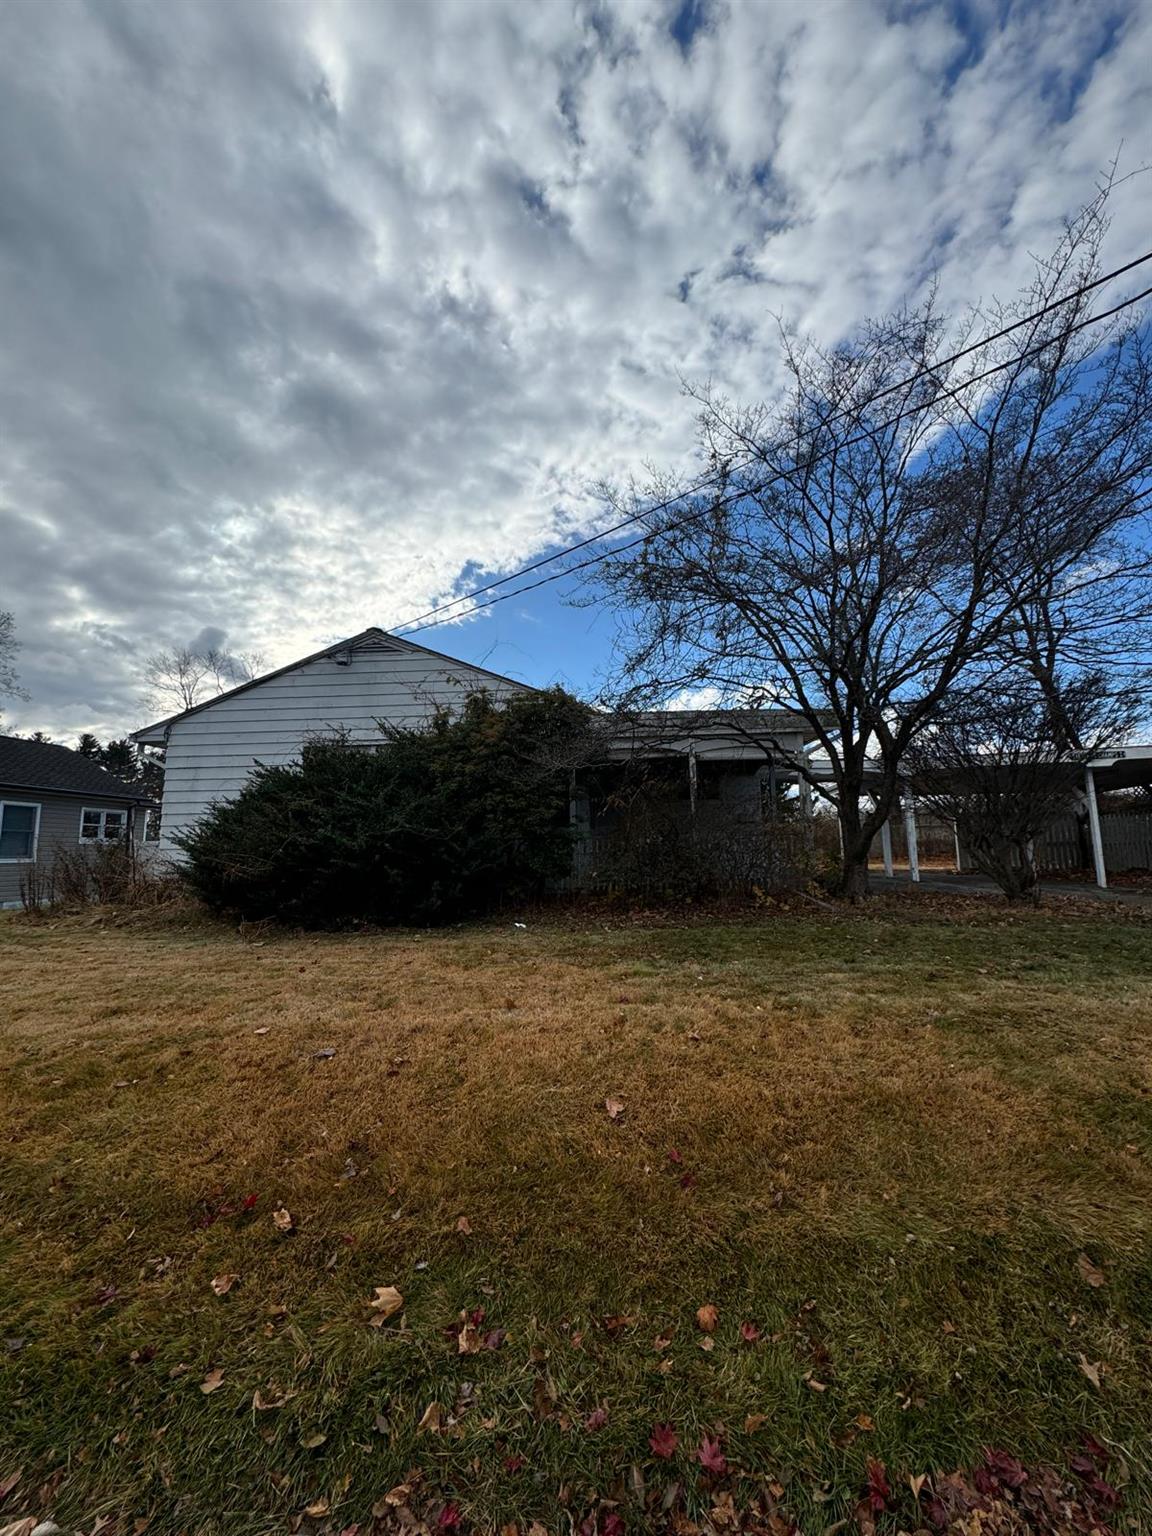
(347, 687)
(52, 801)
(709, 768)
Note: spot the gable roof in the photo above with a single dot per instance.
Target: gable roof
(42, 765)
(371, 639)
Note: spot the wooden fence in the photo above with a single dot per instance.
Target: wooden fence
(1126, 835)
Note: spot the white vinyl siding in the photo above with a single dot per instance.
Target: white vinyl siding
(212, 752)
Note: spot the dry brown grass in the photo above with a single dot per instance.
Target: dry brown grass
(847, 1097)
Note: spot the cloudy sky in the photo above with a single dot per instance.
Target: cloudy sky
(313, 310)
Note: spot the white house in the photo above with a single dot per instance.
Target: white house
(348, 687)
(722, 762)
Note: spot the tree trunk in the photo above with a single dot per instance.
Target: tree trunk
(856, 835)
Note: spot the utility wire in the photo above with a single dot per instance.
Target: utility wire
(430, 619)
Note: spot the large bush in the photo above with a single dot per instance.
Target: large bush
(429, 825)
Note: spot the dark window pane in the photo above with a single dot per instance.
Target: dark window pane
(17, 831)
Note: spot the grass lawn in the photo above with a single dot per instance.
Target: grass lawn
(910, 1150)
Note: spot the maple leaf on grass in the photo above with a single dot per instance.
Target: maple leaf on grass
(614, 1107)
(711, 1457)
(664, 1441)
(749, 1332)
(707, 1317)
(596, 1419)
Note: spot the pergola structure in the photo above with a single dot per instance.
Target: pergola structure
(1112, 768)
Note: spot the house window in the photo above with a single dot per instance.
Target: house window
(19, 824)
(101, 826)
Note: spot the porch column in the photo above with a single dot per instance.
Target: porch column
(956, 845)
(910, 834)
(692, 777)
(1094, 828)
(886, 845)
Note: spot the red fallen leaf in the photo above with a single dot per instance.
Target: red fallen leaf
(250, 1202)
(749, 1332)
(495, 1337)
(613, 1525)
(689, 1181)
(711, 1457)
(675, 1156)
(596, 1419)
(878, 1489)
(476, 1316)
(513, 1463)
(664, 1441)
(448, 1518)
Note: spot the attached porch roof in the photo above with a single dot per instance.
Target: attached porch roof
(724, 734)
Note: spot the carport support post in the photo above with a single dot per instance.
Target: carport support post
(1094, 828)
(910, 834)
(886, 845)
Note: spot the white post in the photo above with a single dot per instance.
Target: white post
(1094, 828)
(886, 845)
(956, 844)
(910, 834)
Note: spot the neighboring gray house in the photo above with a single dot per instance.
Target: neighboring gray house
(53, 800)
(722, 765)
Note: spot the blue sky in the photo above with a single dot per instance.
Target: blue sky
(314, 311)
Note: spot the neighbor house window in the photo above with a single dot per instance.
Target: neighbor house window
(19, 824)
(101, 826)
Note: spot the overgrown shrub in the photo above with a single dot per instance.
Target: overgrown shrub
(430, 825)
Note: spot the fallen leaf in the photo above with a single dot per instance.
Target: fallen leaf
(313, 1441)
(274, 1398)
(1092, 1371)
(614, 1107)
(224, 1283)
(863, 1421)
(664, 1441)
(262, 1031)
(711, 1457)
(661, 1342)
(464, 1227)
(817, 1386)
(8, 1483)
(213, 1380)
(283, 1219)
(386, 1302)
(947, 1327)
(1089, 1272)
(916, 1483)
(749, 1332)
(468, 1340)
(707, 1317)
(754, 1421)
(596, 1419)
(495, 1337)
(317, 1508)
(433, 1420)
(325, 1053)
(707, 1343)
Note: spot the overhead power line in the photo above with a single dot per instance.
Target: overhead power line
(431, 619)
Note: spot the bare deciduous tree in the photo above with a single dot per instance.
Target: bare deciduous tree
(186, 676)
(884, 529)
(9, 645)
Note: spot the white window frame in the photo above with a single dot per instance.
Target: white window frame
(103, 812)
(29, 858)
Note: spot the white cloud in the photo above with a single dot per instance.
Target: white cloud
(308, 305)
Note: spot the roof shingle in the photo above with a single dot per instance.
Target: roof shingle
(44, 765)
